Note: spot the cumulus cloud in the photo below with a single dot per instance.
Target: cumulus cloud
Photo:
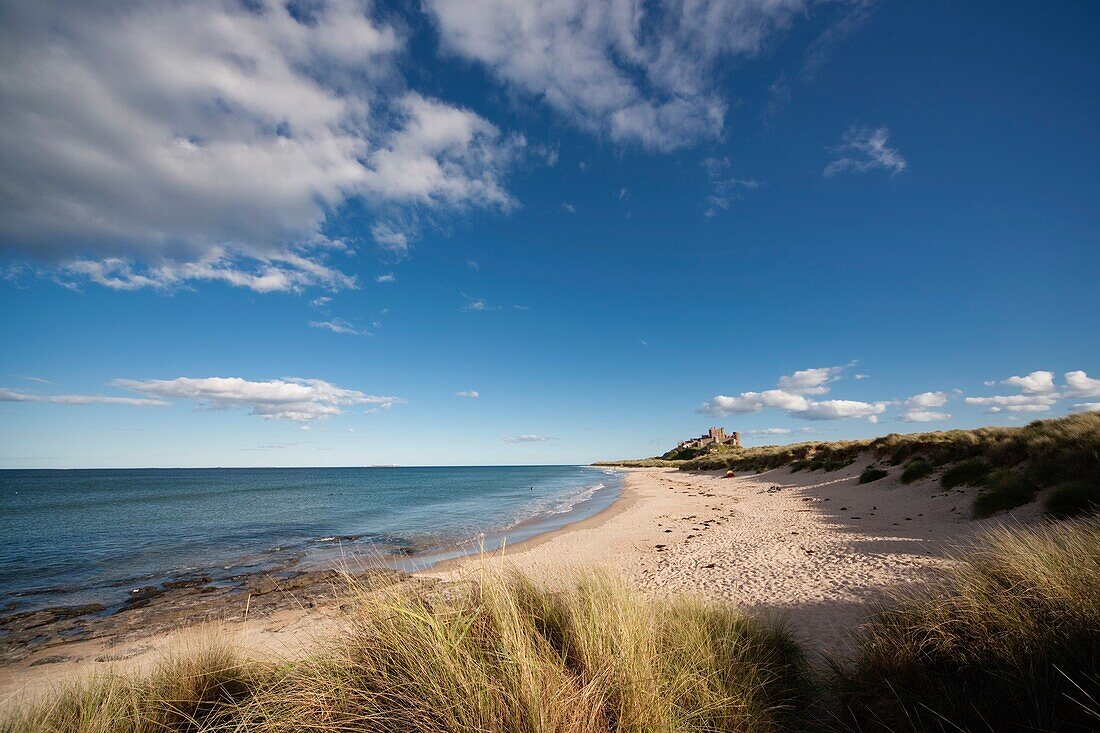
(791, 398)
(527, 438)
(1079, 384)
(389, 277)
(865, 149)
(811, 381)
(295, 399)
(1038, 382)
(1038, 392)
(1014, 403)
(918, 408)
(11, 395)
(1086, 407)
(639, 75)
(154, 144)
(470, 393)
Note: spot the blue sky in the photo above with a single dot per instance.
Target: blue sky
(260, 234)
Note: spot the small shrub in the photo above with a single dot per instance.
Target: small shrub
(1005, 490)
(816, 464)
(799, 465)
(871, 473)
(967, 473)
(915, 470)
(836, 465)
(1073, 498)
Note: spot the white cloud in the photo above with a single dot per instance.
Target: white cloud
(927, 399)
(859, 377)
(321, 301)
(471, 393)
(1086, 407)
(791, 398)
(1079, 384)
(865, 149)
(918, 407)
(10, 395)
(289, 399)
(339, 325)
(779, 431)
(1034, 383)
(569, 208)
(645, 76)
(1037, 392)
(148, 145)
(389, 277)
(811, 381)
(842, 410)
(923, 416)
(527, 439)
(1015, 403)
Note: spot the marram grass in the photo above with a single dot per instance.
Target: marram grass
(1006, 639)
(503, 654)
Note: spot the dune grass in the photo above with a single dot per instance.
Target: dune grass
(641, 463)
(199, 685)
(1005, 489)
(872, 473)
(1061, 451)
(1073, 498)
(501, 654)
(971, 472)
(915, 470)
(1007, 640)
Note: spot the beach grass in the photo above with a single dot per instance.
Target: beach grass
(915, 470)
(1008, 639)
(971, 472)
(499, 654)
(1057, 452)
(1005, 489)
(872, 473)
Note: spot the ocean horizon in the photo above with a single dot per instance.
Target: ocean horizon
(90, 536)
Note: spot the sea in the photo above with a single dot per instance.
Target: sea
(71, 537)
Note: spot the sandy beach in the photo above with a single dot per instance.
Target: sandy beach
(816, 548)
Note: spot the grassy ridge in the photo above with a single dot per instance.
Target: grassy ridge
(1012, 464)
(1007, 640)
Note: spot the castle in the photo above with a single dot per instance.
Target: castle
(714, 436)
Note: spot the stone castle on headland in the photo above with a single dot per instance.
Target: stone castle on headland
(714, 436)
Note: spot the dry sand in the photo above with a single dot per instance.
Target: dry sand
(817, 548)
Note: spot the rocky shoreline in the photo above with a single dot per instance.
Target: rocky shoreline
(153, 609)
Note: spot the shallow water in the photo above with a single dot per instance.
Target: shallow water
(89, 536)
